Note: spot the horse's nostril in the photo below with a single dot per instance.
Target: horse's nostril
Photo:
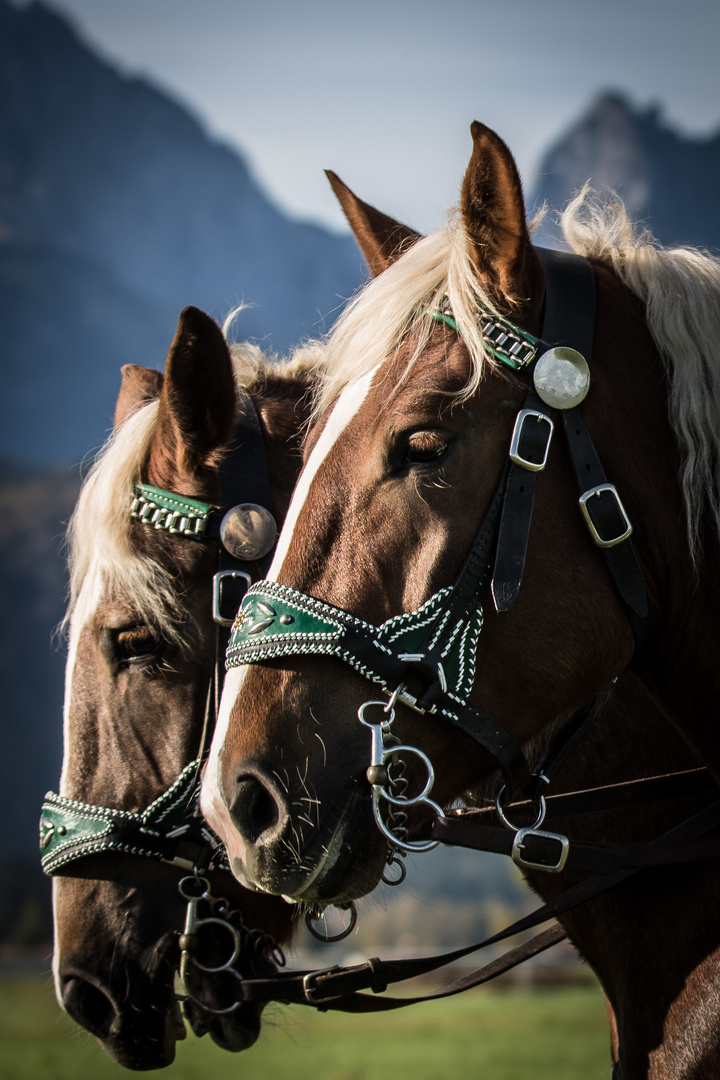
(254, 809)
(89, 1006)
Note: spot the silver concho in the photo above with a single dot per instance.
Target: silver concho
(562, 377)
(248, 531)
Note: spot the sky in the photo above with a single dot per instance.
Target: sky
(383, 91)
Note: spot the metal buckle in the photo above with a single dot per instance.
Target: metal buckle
(309, 985)
(527, 864)
(515, 455)
(217, 593)
(597, 492)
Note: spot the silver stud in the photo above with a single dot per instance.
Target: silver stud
(562, 378)
(248, 531)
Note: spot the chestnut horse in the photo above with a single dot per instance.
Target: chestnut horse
(395, 520)
(141, 646)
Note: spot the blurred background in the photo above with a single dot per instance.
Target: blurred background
(158, 153)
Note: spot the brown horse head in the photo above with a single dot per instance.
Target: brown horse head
(413, 428)
(141, 653)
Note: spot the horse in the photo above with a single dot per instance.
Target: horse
(368, 629)
(140, 661)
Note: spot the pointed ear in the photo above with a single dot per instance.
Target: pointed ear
(493, 212)
(139, 386)
(381, 239)
(197, 402)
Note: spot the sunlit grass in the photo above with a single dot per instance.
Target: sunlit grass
(497, 1035)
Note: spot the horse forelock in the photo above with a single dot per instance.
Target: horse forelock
(394, 306)
(680, 289)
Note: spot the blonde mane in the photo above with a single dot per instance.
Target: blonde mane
(102, 558)
(394, 305)
(680, 288)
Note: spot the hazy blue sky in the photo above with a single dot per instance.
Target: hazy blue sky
(383, 92)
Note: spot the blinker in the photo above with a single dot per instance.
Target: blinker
(562, 377)
(248, 531)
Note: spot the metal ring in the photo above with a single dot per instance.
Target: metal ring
(506, 821)
(211, 969)
(384, 723)
(195, 880)
(311, 917)
(189, 996)
(393, 860)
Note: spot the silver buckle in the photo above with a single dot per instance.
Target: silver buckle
(217, 588)
(527, 864)
(309, 985)
(597, 491)
(515, 455)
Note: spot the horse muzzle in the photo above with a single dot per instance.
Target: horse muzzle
(283, 851)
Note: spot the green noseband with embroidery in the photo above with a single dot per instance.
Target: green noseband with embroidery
(71, 830)
(423, 658)
(275, 620)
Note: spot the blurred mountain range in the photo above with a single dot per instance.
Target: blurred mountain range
(667, 180)
(116, 210)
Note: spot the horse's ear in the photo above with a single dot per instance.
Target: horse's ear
(197, 401)
(493, 213)
(381, 239)
(139, 386)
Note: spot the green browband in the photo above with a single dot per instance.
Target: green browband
(70, 830)
(171, 513)
(506, 341)
(275, 620)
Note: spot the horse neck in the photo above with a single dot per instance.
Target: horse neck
(652, 940)
(683, 669)
(627, 415)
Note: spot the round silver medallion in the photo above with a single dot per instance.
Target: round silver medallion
(248, 531)
(562, 377)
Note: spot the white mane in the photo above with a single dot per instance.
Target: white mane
(393, 306)
(101, 556)
(680, 288)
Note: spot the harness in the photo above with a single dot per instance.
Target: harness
(434, 647)
(426, 660)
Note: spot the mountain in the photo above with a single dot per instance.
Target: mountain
(668, 180)
(117, 210)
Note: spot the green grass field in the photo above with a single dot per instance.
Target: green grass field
(494, 1035)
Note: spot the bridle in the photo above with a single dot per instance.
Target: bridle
(425, 659)
(171, 829)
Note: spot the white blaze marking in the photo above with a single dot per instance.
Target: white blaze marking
(211, 801)
(212, 805)
(88, 603)
(347, 406)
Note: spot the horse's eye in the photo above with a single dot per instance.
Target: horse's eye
(423, 446)
(136, 643)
